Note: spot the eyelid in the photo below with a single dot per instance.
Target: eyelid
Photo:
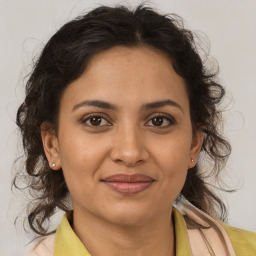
(85, 118)
(170, 118)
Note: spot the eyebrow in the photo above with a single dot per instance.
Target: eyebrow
(107, 105)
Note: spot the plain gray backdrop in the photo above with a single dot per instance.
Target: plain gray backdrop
(230, 26)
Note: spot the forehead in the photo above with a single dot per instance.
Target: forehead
(128, 75)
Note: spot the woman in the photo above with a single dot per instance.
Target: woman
(117, 110)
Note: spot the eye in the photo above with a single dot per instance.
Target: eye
(161, 121)
(95, 121)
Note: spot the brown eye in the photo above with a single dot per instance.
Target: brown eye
(95, 121)
(161, 121)
(157, 121)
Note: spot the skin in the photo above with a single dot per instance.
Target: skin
(127, 141)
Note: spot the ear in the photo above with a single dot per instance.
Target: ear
(51, 146)
(196, 145)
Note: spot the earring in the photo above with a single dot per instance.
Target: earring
(53, 165)
(192, 160)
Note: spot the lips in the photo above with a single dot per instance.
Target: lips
(128, 184)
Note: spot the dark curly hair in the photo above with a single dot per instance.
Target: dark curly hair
(66, 56)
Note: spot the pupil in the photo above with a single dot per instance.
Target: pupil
(158, 121)
(96, 121)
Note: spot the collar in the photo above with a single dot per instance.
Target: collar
(67, 242)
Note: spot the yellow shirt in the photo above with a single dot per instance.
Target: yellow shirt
(244, 242)
(67, 243)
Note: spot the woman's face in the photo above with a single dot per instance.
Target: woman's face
(125, 139)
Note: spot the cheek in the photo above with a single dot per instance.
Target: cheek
(174, 177)
(174, 154)
(78, 150)
(80, 160)
(173, 163)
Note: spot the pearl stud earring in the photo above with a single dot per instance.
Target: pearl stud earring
(53, 165)
(192, 160)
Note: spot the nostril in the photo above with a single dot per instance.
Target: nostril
(128, 163)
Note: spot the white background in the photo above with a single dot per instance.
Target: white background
(230, 25)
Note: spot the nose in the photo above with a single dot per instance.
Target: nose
(129, 147)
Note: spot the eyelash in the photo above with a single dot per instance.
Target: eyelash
(170, 119)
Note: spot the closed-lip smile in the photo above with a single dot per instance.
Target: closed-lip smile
(128, 184)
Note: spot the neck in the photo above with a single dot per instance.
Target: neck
(153, 237)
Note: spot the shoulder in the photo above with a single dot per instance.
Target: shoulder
(238, 242)
(44, 247)
(244, 242)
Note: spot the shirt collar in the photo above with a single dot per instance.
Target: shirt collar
(181, 234)
(67, 242)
